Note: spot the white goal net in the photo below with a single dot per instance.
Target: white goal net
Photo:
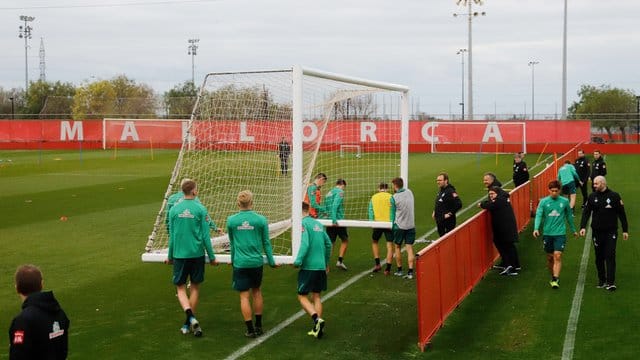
(234, 141)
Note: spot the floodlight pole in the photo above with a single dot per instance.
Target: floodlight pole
(564, 64)
(25, 32)
(193, 47)
(533, 64)
(470, 15)
(638, 120)
(12, 109)
(461, 53)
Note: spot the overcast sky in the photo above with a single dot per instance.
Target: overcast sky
(407, 42)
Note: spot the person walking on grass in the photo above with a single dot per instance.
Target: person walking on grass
(380, 210)
(335, 208)
(598, 168)
(553, 213)
(249, 239)
(189, 238)
(41, 330)
(605, 207)
(404, 227)
(313, 261)
(583, 168)
(569, 179)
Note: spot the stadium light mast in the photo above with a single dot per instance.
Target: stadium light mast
(533, 64)
(470, 15)
(193, 48)
(564, 64)
(25, 32)
(461, 53)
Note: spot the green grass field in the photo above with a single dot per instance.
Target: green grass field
(121, 308)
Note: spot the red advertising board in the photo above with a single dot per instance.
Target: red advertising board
(381, 134)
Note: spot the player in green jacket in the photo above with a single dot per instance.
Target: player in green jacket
(334, 201)
(249, 238)
(569, 179)
(189, 238)
(313, 260)
(552, 213)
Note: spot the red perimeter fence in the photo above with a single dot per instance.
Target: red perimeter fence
(448, 269)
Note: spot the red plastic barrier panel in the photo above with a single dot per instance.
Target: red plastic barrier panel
(447, 270)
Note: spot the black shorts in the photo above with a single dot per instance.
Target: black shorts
(337, 231)
(188, 268)
(247, 278)
(377, 234)
(314, 281)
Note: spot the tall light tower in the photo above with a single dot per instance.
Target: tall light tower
(25, 32)
(470, 15)
(43, 74)
(193, 48)
(564, 64)
(461, 53)
(533, 64)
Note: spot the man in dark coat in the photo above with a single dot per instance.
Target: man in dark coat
(520, 170)
(446, 206)
(505, 229)
(583, 168)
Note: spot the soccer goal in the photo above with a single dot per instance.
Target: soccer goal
(350, 151)
(231, 144)
(476, 136)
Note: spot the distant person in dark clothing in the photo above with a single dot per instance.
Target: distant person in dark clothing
(284, 150)
(520, 170)
(583, 168)
(607, 207)
(447, 204)
(41, 330)
(505, 229)
(598, 167)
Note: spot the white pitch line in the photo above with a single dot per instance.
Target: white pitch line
(574, 315)
(245, 349)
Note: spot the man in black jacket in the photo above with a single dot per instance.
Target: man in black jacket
(41, 330)
(598, 167)
(447, 204)
(583, 168)
(284, 150)
(607, 207)
(520, 170)
(505, 229)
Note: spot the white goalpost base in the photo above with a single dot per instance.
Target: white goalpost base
(230, 144)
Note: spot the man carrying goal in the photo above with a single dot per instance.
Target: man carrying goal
(188, 240)
(380, 210)
(313, 261)
(313, 196)
(249, 238)
(335, 208)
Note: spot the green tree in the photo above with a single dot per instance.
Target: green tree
(118, 97)
(178, 102)
(44, 97)
(133, 100)
(94, 100)
(607, 108)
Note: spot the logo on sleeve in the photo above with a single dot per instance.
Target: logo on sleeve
(18, 337)
(56, 331)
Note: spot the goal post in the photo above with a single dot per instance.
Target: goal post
(230, 144)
